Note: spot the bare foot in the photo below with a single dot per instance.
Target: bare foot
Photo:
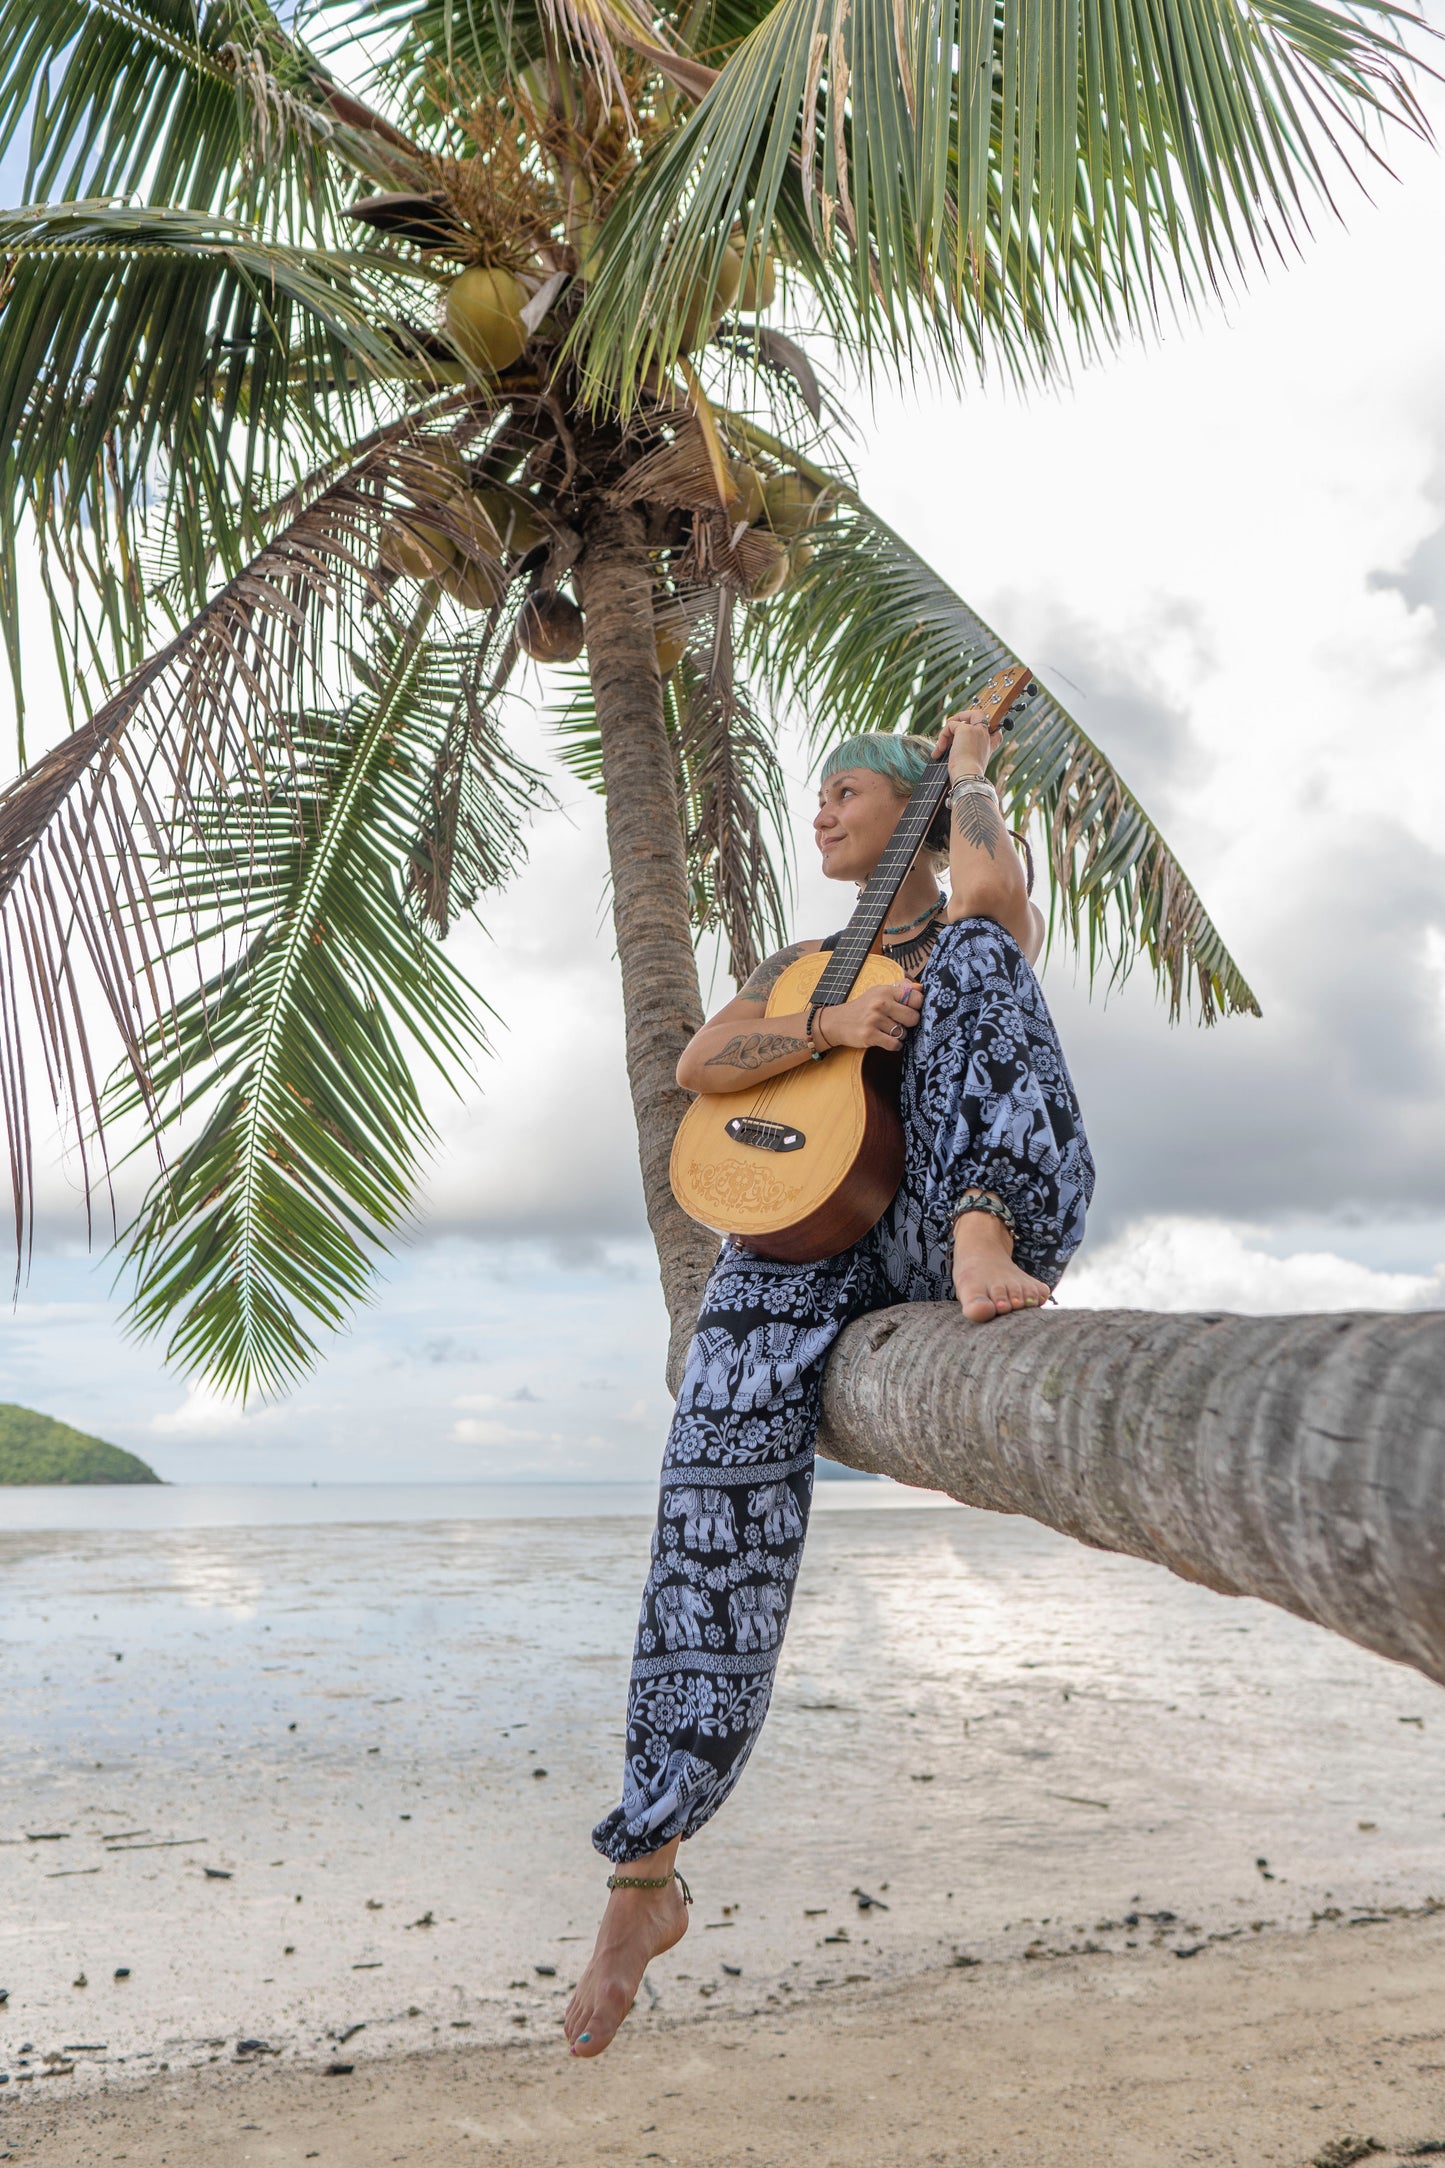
(986, 1280)
(638, 1925)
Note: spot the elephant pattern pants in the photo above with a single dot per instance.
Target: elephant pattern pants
(987, 1103)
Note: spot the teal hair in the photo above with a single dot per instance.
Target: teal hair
(899, 758)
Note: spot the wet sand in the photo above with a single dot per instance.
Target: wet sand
(1287, 2049)
(328, 1789)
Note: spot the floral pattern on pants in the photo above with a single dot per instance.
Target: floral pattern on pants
(987, 1103)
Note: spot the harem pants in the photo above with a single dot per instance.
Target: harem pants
(988, 1104)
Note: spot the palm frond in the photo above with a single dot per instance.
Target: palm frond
(732, 795)
(88, 830)
(293, 1057)
(176, 356)
(214, 109)
(1000, 175)
(869, 637)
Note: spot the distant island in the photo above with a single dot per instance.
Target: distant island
(36, 1449)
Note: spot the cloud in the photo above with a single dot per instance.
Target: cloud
(1331, 1102)
(1196, 1264)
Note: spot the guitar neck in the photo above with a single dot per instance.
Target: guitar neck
(874, 904)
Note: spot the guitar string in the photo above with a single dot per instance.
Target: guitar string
(853, 951)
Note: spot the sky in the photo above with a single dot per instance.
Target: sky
(1226, 551)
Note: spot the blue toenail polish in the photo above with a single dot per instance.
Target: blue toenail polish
(583, 2037)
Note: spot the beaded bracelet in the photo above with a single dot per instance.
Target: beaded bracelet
(993, 1205)
(815, 1010)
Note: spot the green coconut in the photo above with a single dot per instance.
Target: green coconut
(550, 628)
(707, 305)
(475, 582)
(792, 503)
(747, 492)
(484, 319)
(800, 556)
(758, 293)
(772, 570)
(517, 520)
(416, 549)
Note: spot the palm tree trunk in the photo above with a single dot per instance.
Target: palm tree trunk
(661, 1002)
(1297, 1459)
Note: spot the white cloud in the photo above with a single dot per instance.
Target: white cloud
(206, 1414)
(1198, 1264)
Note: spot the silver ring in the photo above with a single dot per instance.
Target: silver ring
(898, 1031)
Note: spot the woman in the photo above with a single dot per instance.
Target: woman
(996, 1182)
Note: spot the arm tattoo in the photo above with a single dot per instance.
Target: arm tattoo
(763, 980)
(978, 823)
(754, 1050)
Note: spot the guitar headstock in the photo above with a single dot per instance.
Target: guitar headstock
(1014, 682)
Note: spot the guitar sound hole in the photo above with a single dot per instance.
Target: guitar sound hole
(765, 1136)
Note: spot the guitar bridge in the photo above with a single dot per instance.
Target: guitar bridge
(764, 1136)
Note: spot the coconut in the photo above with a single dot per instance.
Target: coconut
(766, 565)
(475, 582)
(669, 635)
(792, 503)
(416, 549)
(517, 519)
(484, 319)
(758, 293)
(706, 306)
(747, 492)
(800, 556)
(550, 627)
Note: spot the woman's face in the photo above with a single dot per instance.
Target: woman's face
(858, 811)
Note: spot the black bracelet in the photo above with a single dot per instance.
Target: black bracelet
(815, 1009)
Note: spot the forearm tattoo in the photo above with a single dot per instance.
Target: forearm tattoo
(977, 820)
(765, 978)
(754, 1050)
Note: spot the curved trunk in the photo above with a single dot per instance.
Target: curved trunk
(1297, 1459)
(661, 1002)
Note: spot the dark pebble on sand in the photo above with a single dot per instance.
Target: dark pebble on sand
(548, 1972)
(217, 1874)
(339, 2070)
(122, 1972)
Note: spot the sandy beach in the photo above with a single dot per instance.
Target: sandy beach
(1325, 2047)
(1126, 1871)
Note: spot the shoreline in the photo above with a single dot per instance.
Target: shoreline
(1271, 2050)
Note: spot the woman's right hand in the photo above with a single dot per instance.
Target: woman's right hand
(881, 1016)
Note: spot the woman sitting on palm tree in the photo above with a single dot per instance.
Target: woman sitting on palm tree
(996, 1182)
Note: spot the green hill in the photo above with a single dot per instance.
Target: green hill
(36, 1449)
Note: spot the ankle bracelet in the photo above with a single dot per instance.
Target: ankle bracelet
(650, 1881)
(993, 1205)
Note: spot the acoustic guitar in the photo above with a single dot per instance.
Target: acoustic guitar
(801, 1166)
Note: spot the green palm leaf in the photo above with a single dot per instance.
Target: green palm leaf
(86, 835)
(295, 1054)
(999, 174)
(869, 637)
(143, 345)
(213, 109)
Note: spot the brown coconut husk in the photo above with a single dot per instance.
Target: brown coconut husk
(550, 627)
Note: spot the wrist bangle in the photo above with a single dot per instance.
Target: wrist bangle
(810, 1031)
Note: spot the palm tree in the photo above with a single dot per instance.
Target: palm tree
(331, 407)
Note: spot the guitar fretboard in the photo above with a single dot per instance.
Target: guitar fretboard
(888, 876)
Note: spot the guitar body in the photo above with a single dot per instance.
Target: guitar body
(801, 1166)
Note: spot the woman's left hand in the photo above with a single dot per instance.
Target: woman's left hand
(969, 742)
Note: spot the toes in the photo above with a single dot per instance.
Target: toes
(979, 1308)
